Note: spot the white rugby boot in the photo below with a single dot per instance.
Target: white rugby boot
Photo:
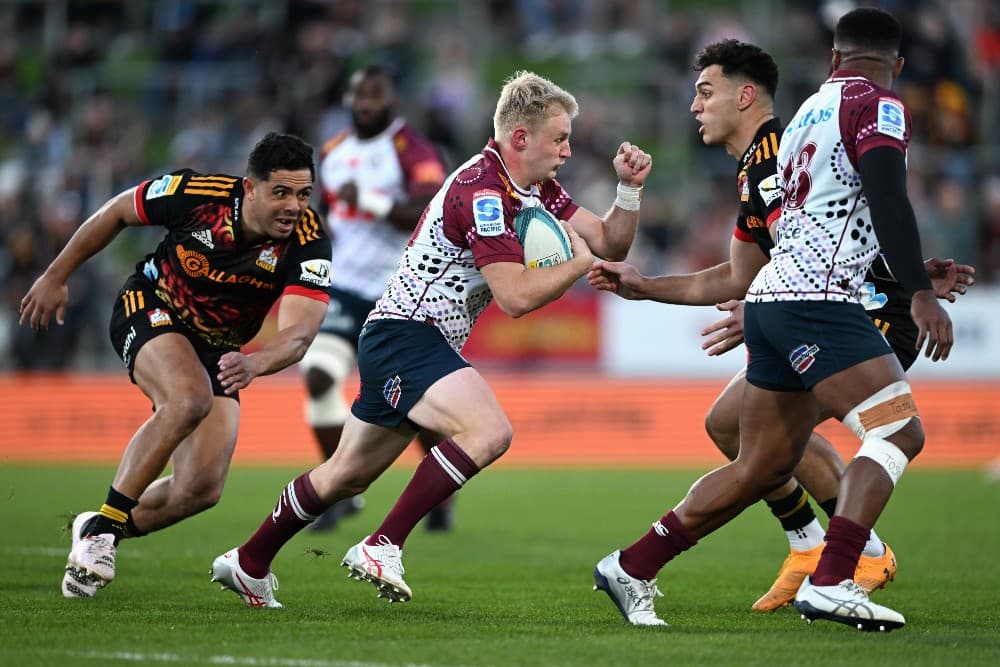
(380, 564)
(846, 603)
(633, 597)
(91, 561)
(254, 592)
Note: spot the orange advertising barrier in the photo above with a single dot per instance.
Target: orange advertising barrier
(559, 420)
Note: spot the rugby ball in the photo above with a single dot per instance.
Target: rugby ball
(543, 237)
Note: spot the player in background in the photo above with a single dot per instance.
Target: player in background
(376, 179)
(812, 350)
(233, 246)
(463, 255)
(734, 105)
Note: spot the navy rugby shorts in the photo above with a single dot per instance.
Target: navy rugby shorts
(139, 316)
(398, 360)
(792, 345)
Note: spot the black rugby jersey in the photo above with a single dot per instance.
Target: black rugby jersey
(760, 192)
(213, 279)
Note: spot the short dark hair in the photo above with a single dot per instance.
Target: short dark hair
(868, 29)
(742, 59)
(279, 151)
(376, 70)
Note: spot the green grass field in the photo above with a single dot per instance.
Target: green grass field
(511, 585)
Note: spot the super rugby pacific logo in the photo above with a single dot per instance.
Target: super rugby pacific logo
(803, 357)
(392, 391)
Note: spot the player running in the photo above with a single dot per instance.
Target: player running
(233, 246)
(463, 254)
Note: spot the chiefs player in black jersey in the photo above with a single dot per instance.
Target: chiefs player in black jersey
(233, 246)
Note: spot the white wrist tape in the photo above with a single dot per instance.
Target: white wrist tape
(628, 197)
(377, 203)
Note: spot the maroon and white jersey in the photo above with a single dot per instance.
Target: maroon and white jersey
(396, 162)
(825, 238)
(468, 224)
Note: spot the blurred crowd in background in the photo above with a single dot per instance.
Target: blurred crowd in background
(98, 95)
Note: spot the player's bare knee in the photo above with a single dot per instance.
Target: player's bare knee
(186, 411)
(204, 493)
(490, 442)
(888, 424)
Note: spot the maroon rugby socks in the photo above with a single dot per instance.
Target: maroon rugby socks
(297, 506)
(666, 539)
(844, 542)
(444, 470)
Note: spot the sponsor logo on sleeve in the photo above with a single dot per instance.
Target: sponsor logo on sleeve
(159, 318)
(487, 211)
(163, 186)
(891, 118)
(769, 189)
(316, 271)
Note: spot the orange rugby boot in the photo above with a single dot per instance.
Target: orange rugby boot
(797, 566)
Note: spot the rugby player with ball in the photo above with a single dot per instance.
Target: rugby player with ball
(464, 253)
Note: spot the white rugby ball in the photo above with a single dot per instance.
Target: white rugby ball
(543, 237)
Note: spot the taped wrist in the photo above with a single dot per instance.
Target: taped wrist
(628, 197)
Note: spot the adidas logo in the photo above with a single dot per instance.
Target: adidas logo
(205, 237)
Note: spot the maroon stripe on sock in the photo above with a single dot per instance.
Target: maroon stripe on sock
(844, 541)
(647, 556)
(430, 485)
(280, 526)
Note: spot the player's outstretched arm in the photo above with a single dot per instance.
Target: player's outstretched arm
(722, 282)
(299, 319)
(49, 294)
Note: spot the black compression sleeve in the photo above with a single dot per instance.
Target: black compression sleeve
(883, 178)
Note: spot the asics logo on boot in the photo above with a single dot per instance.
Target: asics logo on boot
(633, 597)
(252, 598)
(371, 564)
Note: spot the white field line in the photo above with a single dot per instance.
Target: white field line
(251, 661)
